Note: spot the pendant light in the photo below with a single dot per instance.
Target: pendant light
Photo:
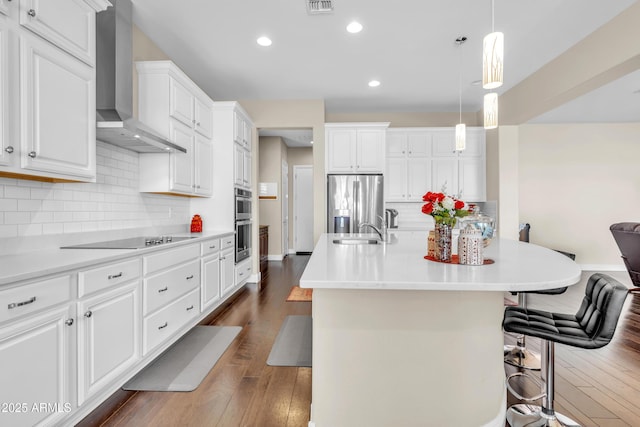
(491, 110)
(492, 56)
(461, 128)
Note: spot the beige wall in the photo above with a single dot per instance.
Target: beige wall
(408, 119)
(272, 151)
(295, 114)
(296, 157)
(574, 182)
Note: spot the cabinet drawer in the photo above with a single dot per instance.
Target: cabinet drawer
(227, 242)
(165, 259)
(243, 271)
(210, 247)
(101, 278)
(165, 287)
(26, 299)
(163, 324)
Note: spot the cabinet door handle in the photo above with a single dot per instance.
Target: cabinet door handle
(9, 149)
(189, 308)
(88, 314)
(114, 276)
(32, 154)
(223, 258)
(190, 277)
(240, 274)
(69, 322)
(212, 247)
(165, 289)
(163, 326)
(21, 303)
(31, 13)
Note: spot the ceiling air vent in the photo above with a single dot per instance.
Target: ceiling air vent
(319, 6)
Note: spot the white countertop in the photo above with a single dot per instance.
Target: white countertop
(30, 265)
(400, 265)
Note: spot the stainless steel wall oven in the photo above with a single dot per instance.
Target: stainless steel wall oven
(243, 224)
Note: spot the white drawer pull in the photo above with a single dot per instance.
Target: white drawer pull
(114, 276)
(165, 289)
(20, 304)
(163, 326)
(189, 308)
(190, 277)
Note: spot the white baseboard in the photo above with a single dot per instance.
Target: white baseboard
(602, 267)
(275, 257)
(255, 278)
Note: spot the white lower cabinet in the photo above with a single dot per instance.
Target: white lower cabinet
(171, 294)
(37, 360)
(163, 324)
(108, 337)
(68, 341)
(227, 271)
(210, 290)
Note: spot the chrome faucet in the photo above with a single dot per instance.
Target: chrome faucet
(382, 233)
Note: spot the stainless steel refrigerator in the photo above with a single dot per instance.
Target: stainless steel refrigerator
(353, 200)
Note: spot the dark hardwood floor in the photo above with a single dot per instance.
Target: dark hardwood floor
(595, 387)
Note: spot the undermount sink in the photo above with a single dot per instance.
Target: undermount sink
(356, 241)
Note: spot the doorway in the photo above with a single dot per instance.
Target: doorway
(285, 209)
(303, 208)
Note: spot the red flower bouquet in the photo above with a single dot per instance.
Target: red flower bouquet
(443, 208)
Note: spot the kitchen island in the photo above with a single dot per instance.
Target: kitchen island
(403, 341)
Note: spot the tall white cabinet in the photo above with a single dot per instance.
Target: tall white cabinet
(47, 72)
(175, 107)
(425, 159)
(354, 148)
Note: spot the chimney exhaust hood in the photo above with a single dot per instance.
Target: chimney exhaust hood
(115, 123)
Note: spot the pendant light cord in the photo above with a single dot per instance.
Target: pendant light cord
(493, 16)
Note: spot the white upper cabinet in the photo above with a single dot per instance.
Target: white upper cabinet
(6, 149)
(355, 147)
(69, 24)
(165, 91)
(174, 106)
(425, 159)
(47, 78)
(58, 111)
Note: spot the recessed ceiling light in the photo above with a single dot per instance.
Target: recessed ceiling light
(354, 27)
(374, 83)
(264, 41)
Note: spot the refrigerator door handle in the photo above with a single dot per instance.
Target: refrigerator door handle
(356, 203)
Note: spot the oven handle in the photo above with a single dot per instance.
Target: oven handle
(244, 222)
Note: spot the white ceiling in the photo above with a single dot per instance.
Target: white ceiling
(295, 138)
(409, 45)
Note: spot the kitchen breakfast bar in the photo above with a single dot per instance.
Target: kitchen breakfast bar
(399, 340)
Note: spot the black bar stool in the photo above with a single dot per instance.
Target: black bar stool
(519, 355)
(590, 328)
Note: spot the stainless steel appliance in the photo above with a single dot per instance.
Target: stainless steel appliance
(353, 200)
(243, 224)
(115, 122)
(130, 243)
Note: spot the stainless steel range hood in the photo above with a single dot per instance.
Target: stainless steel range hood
(115, 123)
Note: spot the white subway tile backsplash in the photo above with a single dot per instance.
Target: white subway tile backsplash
(29, 205)
(113, 202)
(17, 217)
(17, 192)
(8, 231)
(30, 229)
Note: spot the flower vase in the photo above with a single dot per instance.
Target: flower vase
(443, 242)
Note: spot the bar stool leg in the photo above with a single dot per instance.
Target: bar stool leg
(518, 355)
(524, 415)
